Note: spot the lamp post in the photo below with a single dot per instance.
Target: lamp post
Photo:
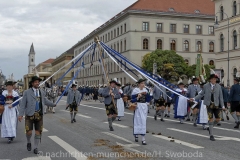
(215, 26)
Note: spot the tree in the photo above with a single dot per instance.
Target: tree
(191, 70)
(169, 63)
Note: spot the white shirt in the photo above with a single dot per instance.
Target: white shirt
(35, 91)
(212, 86)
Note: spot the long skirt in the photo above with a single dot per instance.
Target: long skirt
(120, 107)
(140, 119)
(9, 122)
(180, 108)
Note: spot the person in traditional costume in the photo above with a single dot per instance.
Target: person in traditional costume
(213, 99)
(32, 107)
(9, 115)
(120, 103)
(193, 90)
(111, 94)
(181, 103)
(73, 101)
(160, 99)
(168, 104)
(234, 100)
(95, 94)
(141, 97)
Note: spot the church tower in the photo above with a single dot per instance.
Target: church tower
(31, 59)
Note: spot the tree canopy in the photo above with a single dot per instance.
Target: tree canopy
(170, 65)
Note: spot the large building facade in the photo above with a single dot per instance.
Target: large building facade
(145, 26)
(228, 11)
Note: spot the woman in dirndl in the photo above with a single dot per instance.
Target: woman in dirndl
(141, 97)
(120, 103)
(181, 103)
(9, 116)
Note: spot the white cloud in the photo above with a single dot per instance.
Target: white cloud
(52, 25)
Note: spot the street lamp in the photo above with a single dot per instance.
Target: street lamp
(216, 26)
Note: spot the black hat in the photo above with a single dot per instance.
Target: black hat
(195, 79)
(213, 76)
(181, 84)
(35, 78)
(73, 85)
(11, 83)
(141, 80)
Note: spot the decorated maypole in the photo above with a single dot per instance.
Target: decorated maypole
(200, 70)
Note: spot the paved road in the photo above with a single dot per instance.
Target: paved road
(90, 138)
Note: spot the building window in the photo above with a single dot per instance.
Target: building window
(173, 45)
(173, 28)
(125, 45)
(121, 47)
(211, 47)
(187, 61)
(145, 43)
(234, 39)
(199, 29)
(221, 43)
(159, 44)
(121, 30)
(211, 63)
(199, 46)
(125, 28)
(114, 47)
(32, 60)
(117, 31)
(114, 33)
(118, 47)
(159, 27)
(234, 72)
(221, 13)
(211, 30)
(108, 36)
(145, 26)
(186, 45)
(186, 28)
(111, 34)
(234, 8)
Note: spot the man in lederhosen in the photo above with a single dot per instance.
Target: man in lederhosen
(160, 98)
(213, 99)
(73, 101)
(111, 95)
(193, 91)
(32, 106)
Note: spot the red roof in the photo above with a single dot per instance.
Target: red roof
(180, 6)
(49, 60)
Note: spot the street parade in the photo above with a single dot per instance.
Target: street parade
(127, 100)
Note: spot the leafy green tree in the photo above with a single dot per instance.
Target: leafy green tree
(169, 64)
(191, 70)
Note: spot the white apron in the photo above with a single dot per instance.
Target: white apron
(120, 105)
(140, 119)
(9, 121)
(182, 106)
(203, 115)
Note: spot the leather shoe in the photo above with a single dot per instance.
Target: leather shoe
(29, 147)
(188, 119)
(144, 143)
(237, 125)
(111, 129)
(74, 120)
(35, 151)
(212, 138)
(155, 117)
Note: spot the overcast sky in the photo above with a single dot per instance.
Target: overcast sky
(53, 26)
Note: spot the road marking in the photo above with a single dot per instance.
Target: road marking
(118, 137)
(45, 130)
(178, 130)
(119, 125)
(71, 150)
(81, 115)
(169, 120)
(37, 158)
(179, 142)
